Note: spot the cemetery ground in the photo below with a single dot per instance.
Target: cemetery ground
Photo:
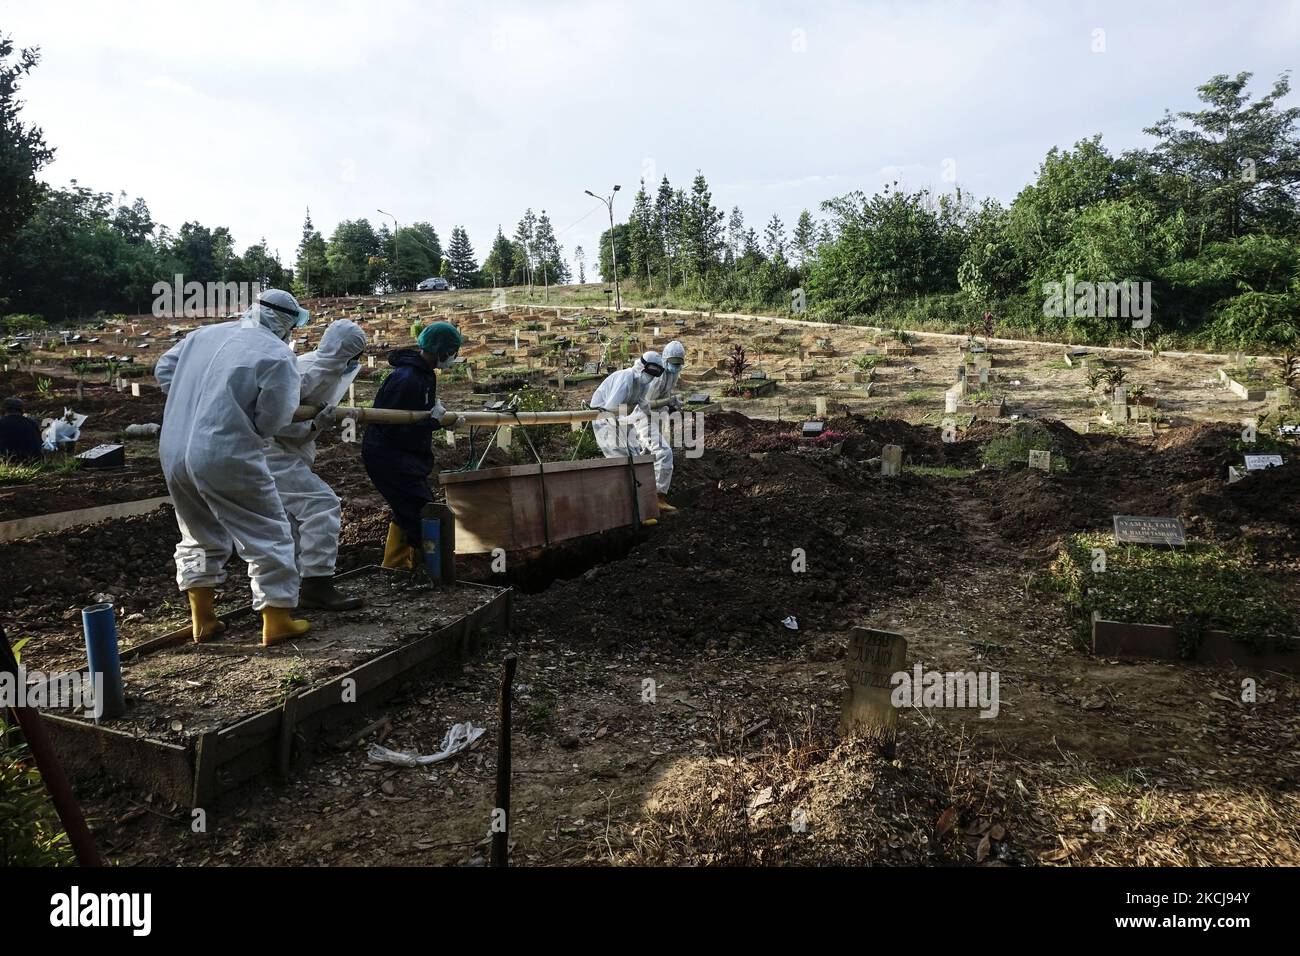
(663, 712)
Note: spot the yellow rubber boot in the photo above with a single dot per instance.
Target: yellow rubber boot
(664, 507)
(203, 619)
(279, 624)
(397, 553)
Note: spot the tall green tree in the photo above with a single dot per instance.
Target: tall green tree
(499, 265)
(549, 253)
(1234, 165)
(23, 152)
(462, 266)
(805, 238)
(312, 267)
(417, 255)
(349, 252)
(525, 253)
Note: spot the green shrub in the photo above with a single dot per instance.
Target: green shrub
(1015, 443)
(1201, 586)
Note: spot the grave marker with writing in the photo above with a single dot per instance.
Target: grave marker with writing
(1260, 462)
(1145, 529)
(103, 456)
(1042, 460)
(873, 658)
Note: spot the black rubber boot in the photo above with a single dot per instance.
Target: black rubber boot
(321, 593)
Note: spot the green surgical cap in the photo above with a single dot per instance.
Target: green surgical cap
(441, 338)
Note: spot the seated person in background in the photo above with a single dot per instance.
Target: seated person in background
(20, 437)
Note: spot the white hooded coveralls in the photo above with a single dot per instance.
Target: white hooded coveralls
(229, 388)
(625, 394)
(313, 509)
(661, 388)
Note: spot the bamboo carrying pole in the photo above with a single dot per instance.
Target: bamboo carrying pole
(397, 416)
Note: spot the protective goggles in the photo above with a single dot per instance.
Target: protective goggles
(300, 316)
(654, 371)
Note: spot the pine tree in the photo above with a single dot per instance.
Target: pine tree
(463, 268)
(774, 238)
(548, 253)
(580, 256)
(524, 234)
(805, 237)
(500, 263)
(643, 239)
(736, 235)
(311, 267)
(665, 226)
(703, 228)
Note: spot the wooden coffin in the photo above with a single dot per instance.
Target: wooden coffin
(518, 507)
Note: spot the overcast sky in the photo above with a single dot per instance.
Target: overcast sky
(244, 114)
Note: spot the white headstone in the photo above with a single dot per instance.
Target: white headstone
(891, 461)
(1260, 462)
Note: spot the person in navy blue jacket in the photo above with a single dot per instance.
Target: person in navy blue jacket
(399, 458)
(20, 437)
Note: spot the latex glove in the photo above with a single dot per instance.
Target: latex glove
(437, 412)
(324, 419)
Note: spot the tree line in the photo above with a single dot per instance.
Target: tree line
(1208, 215)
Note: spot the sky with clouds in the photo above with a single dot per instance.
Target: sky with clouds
(243, 114)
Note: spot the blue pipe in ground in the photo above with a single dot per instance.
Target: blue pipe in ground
(101, 653)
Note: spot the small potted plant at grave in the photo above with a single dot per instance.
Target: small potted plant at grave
(1093, 381)
(737, 366)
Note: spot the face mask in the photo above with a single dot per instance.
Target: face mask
(448, 362)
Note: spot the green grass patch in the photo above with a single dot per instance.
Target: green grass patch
(1015, 443)
(920, 398)
(1254, 376)
(16, 473)
(939, 471)
(1197, 588)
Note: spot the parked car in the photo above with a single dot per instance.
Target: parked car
(435, 284)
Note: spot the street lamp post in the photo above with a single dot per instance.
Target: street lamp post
(613, 252)
(396, 229)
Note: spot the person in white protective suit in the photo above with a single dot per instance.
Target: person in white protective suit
(229, 388)
(625, 430)
(663, 401)
(312, 507)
